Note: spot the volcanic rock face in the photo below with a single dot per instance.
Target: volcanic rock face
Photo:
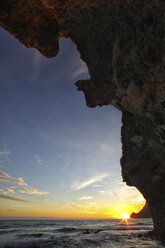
(123, 45)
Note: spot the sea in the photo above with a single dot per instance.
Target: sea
(55, 233)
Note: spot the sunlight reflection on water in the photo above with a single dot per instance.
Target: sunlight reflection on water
(76, 233)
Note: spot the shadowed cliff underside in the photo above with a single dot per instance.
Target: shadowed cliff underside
(123, 45)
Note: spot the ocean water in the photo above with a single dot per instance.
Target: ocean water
(76, 233)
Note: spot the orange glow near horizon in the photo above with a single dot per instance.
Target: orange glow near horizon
(73, 209)
(116, 211)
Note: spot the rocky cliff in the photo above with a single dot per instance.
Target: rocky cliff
(123, 44)
(144, 213)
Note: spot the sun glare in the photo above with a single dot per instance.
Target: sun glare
(125, 216)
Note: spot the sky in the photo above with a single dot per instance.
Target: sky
(58, 158)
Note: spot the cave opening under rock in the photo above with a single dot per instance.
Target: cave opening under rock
(45, 112)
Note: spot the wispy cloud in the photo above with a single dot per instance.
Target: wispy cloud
(106, 192)
(6, 197)
(7, 178)
(97, 185)
(111, 146)
(124, 191)
(66, 164)
(37, 62)
(76, 206)
(5, 191)
(90, 181)
(140, 198)
(125, 194)
(106, 148)
(79, 71)
(4, 153)
(85, 198)
(38, 160)
(32, 191)
(78, 68)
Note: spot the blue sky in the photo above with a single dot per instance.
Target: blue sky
(54, 150)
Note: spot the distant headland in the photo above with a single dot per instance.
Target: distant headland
(144, 213)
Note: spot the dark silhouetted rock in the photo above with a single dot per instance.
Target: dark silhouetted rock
(123, 45)
(144, 213)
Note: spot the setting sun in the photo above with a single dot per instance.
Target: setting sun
(125, 216)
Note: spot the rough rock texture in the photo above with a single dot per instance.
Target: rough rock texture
(35, 23)
(123, 45)
(144, 213)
